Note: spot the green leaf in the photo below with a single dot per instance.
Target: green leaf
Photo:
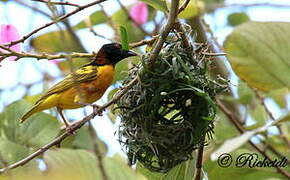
(279, 96)
(117, 169)
(234, 143)
(193, 8)
(220, 126)
(36, 131)
(71, 164)
(285, 118)
(62, 164)
(122, 67)
(28, 171)
(11, 152)
(259, 54)
(157, 4)
(124, 38)
(120, 18)
(235, 19)
(56, 41)
(112, 114)
(67, 66)
(97, 17)
(183, 171)
(213, 1)
(246, 94)
(259, 114)
(215, 172)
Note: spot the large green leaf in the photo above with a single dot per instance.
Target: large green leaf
(67, 164)
(29, 171)
(36, 131)
(97, 17)
(71, 164)
(157, 4)
(193, 8)
(183, 171)
(120, 18)
(279, 96)
(121, 70)
(56, 41)
(235, 19)
(124, 38)
(11, 152)
(215, 172)
(246, 94)
(259, 54)
(118, 170)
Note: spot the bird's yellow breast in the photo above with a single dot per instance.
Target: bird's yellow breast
(83, 93)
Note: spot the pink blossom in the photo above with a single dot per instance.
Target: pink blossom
(9, 33)
(55, 61)
(139, 13)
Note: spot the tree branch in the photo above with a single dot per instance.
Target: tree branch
(61, 18)
(66, 3)
(19, 55)
(183, 6)
(164, 33)
(198, 166)
(262, 101)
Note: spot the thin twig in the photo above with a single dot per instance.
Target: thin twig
(61, 18)
(183, 6)
(182, 33)
(262, 101)
(198, 166)
(213, 54)
(144, 42)
(235, 120)
(66, 3)
(33, 8)
(19, 55)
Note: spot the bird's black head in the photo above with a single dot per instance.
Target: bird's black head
(113, 53)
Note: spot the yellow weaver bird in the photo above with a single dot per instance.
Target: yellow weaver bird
(83, 86)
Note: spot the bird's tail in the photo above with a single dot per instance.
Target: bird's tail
(33, 110)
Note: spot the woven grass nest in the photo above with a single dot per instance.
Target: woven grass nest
(169, 111)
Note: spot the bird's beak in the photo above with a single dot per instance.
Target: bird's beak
(130, 53)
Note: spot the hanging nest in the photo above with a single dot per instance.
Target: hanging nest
(168, 112)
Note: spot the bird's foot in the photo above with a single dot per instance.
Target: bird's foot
(96, 108)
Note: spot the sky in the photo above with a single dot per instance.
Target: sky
(27, 71)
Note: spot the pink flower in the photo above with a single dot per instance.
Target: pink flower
(55, 61)
(139, 13)
(9, 33)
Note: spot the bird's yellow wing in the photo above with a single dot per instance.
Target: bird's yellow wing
(84, 74)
